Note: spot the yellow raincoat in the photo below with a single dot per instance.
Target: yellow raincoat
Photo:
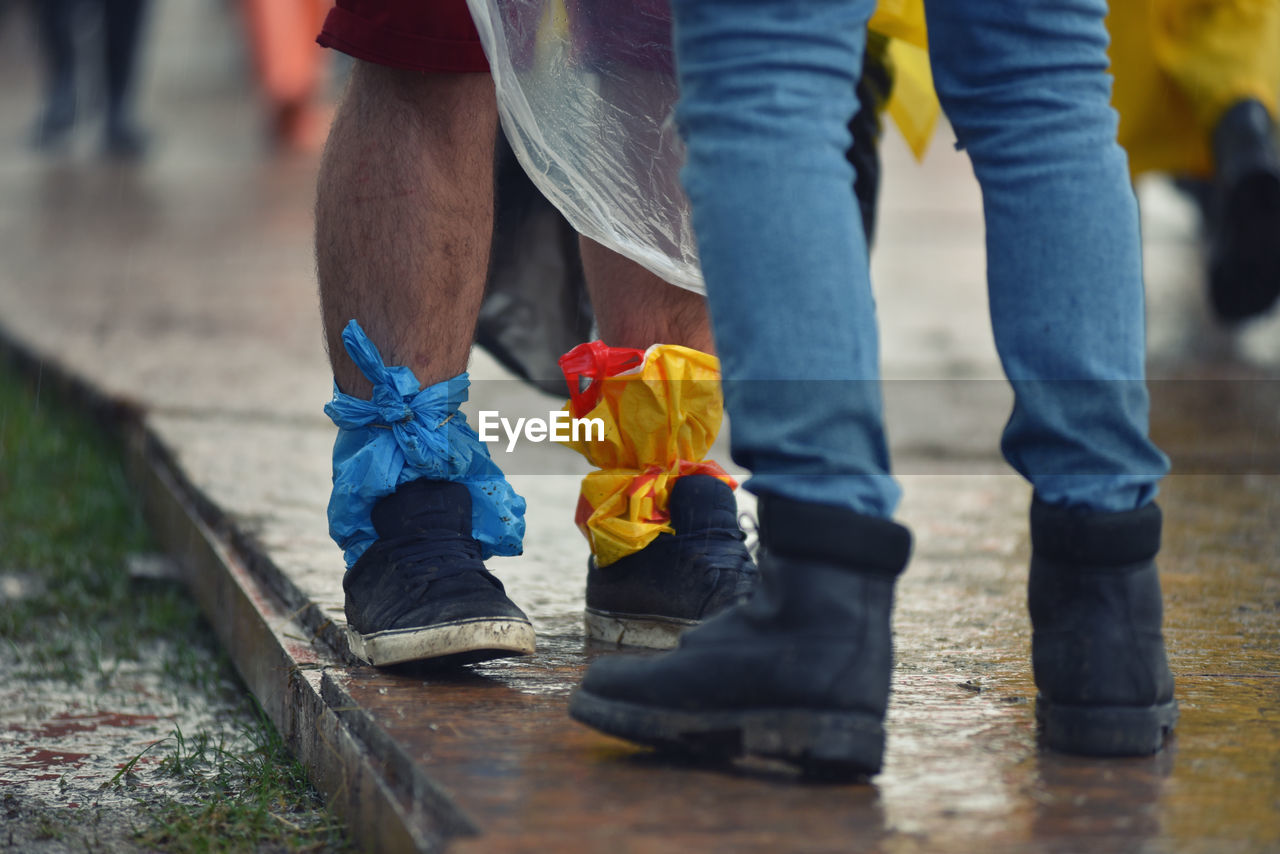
(1179, 64)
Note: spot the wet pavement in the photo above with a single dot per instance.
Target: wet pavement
(184, 285)
(65, 745)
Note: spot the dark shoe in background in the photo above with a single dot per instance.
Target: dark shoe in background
(1097, 651)
(1244, 220)
(421, 591)
(124, 140)
(649, 598)
(799, 673)
(53, 128)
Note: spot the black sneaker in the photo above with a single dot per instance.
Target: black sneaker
(648, 598)
(799, 673)
(1104, 683)
(422, 592)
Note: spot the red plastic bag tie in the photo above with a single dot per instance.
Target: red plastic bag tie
(594, 360)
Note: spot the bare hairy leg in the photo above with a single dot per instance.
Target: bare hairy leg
(404, 219)
(635, 308)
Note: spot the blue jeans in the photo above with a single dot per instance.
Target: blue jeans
(767, 94)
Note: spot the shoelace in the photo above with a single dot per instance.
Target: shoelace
(721, 549)
(424, 560)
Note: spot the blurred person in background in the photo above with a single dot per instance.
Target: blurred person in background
(120, 31)
(1197, 86)
(289, 66)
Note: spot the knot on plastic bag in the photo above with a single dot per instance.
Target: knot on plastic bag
(419, 421)
(394, 413)
(592, 362)
(404, 433)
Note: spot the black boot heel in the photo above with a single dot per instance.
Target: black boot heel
(1106, 730)
(1104, 683)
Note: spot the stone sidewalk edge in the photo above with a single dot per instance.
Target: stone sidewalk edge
(286, 653)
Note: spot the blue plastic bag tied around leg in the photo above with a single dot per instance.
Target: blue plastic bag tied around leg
(405, 432)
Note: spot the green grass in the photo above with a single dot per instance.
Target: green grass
(248, 799)
(66, 519)
(68, 522)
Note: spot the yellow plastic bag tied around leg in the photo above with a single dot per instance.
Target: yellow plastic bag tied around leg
(661, 410)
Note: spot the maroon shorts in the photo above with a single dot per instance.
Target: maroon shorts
(416, 35)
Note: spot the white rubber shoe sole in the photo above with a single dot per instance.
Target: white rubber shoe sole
(651, 632)
(461, 642)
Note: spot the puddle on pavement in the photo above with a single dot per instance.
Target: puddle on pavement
(963, 760)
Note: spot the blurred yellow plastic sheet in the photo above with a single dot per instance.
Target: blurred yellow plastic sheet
(900, 19)
(662, 410)
(1179, 65)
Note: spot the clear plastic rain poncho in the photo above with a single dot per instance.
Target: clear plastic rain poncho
(586, 90)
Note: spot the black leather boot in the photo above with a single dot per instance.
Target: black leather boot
(1244, 225)
(1097, 651)
(800, 672)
